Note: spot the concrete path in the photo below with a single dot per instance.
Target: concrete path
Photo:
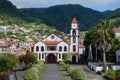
(90, 74)
(19, 72)
(52, 73)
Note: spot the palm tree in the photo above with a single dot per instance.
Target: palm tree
(104, 37)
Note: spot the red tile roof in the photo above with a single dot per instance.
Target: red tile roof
(74, 52)
(116, 29)
(51, 42)
(74, 20)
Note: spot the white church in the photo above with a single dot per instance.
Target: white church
(52, 48)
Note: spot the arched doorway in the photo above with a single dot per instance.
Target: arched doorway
(51, 58)
(74, 59)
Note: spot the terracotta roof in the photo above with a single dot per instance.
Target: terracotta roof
(74, 20)
(29, 40)
(21, 52)
(81, 45)
(74, 52)
(51, 42)
(116, 29)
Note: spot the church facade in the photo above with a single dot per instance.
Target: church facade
(52, 48)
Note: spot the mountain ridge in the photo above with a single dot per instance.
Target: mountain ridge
(64, 15)
(59, 16)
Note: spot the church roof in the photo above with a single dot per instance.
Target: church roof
(74, 53)
(116, 29)
(51, 42)
(74, 20)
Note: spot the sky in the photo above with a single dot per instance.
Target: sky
(99, 5)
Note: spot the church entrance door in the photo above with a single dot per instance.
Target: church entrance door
(74, 59)
(51, 58)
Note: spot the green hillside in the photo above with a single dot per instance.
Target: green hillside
(10, 15)
(60, 16)
(114, 16)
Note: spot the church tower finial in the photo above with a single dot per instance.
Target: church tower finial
(74, 20)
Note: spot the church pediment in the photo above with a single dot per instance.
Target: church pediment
(52, 37)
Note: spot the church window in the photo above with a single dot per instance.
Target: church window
(52, 37)
(60, 48)
(37, 48)
(74, 32)
(42, 56)
(42, 48)
(65, 48)
(39, 56)
(59, 56)
(74, 48)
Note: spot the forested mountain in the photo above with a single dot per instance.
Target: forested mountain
(9, 14)
(114, 16)
(59, 16)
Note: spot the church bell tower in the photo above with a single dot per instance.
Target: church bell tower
(74, 37)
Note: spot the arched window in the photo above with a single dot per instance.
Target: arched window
(65, 48)
(42, 48)
(37, 48)
(74, 48)
(74, 32)
(60, 48)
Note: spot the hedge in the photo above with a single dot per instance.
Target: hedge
(78, 74)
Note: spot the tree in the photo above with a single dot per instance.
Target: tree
(89, 40)
(104, 37)
(7, 62)
(28, 58)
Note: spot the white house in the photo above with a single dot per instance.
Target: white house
(117, 32)
(52, 48)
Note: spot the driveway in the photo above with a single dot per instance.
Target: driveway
(52, 73)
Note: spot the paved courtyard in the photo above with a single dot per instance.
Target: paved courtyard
(52, 73)
(90, 74)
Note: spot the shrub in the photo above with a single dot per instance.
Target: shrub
(67, 58)
(41, 63)
(28, 58)
(61, 63)
(38, 66)
(31, 74)
(7, 61)
(66, 66)
(117, 74)
(78, 74)
(111, 74)
(70, 70)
